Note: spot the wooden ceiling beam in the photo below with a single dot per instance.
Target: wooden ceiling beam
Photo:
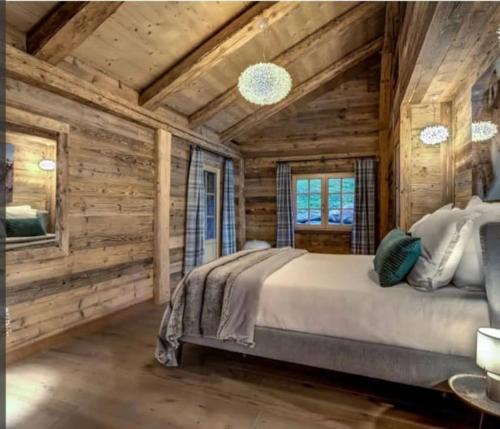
(227, 41)
(26, 68)
(67, 27)
(307, 45)
(306, 87)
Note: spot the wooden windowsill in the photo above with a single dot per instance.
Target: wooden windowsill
(322, 229)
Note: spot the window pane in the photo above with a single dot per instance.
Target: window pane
(315, 185)
(210, 182)
(334, 217)
(315, 218)
(348, 184)
(302, 186)
(334, 201)
(210, 205)
(348, 201)
(347, 217)
(210, 228)
(333, 185)
(315, 201)
(302, 217)
(302, 201)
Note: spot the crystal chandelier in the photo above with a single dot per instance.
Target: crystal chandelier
(483, 130)
(434, 134)
(264, 83)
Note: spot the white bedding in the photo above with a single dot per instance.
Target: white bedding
(337, 295)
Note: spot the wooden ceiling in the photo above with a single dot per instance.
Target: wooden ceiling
(187, 56)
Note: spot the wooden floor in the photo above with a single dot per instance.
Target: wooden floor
(109, 379)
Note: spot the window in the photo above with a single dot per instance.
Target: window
(324, 201)
(211, 176)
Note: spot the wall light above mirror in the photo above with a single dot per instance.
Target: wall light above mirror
(47, 165)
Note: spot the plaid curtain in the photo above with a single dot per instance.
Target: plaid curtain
(195, 213)
(284, 226)
(228, 219)
(363, 232)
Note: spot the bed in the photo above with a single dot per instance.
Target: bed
(328, 311)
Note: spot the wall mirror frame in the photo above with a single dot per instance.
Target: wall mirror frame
(39, 125)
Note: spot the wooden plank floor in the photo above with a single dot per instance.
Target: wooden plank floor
(109, 379)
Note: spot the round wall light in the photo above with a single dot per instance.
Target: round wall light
(483, 130)
(47, 165)
(434, 134)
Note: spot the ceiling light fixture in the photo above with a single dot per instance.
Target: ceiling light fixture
(483, 130)
(264, 83)
(434, 134)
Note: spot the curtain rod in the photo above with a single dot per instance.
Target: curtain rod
(212, 151)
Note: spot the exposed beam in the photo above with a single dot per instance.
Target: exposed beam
(227, 41)
(311, 84)
(67, 27)
(385, 109)
(26, 68)
(161, 284)
(307, 45)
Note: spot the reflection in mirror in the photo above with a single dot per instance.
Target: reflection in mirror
(486, 146)
(30, 181)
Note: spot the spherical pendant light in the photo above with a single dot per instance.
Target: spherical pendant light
(264, 83)
(483, 130)
(434, 134)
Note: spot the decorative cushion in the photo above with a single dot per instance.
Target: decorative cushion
(444, 235)
(24, 227)
(256, 244)
(396, 255)
(470, 271)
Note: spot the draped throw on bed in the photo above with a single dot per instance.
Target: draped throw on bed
(228, 220)
(284, 226)
(363, 232)
(195, 215)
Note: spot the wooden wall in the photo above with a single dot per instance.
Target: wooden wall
(179, 181)
(428, 170)
(111, 201)
(32, 186)
(336, 124)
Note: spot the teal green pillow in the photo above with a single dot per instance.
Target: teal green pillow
(24, 227)
(396, 255)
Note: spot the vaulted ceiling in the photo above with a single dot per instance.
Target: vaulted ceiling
(186, 57)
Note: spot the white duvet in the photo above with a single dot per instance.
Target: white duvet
(337, 295)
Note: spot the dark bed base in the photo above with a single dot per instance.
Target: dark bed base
(397, 364)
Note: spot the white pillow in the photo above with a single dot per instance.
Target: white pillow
(20, 212)
(444, 235)
(256, 244)
(475, 201)
(470, 271)
(423, 219)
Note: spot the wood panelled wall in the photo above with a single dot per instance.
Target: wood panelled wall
(111, 201)
(181, 154)
(427, 183)
(339, 122)
(32, 186)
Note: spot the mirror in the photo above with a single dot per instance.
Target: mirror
(486, 143)
(30, 188)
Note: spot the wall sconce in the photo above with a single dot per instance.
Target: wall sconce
(47, 165)
(483, 130)
(434, 134)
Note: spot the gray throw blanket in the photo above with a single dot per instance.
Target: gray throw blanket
(219, 300)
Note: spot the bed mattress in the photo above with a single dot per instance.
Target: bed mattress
(338, 295)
